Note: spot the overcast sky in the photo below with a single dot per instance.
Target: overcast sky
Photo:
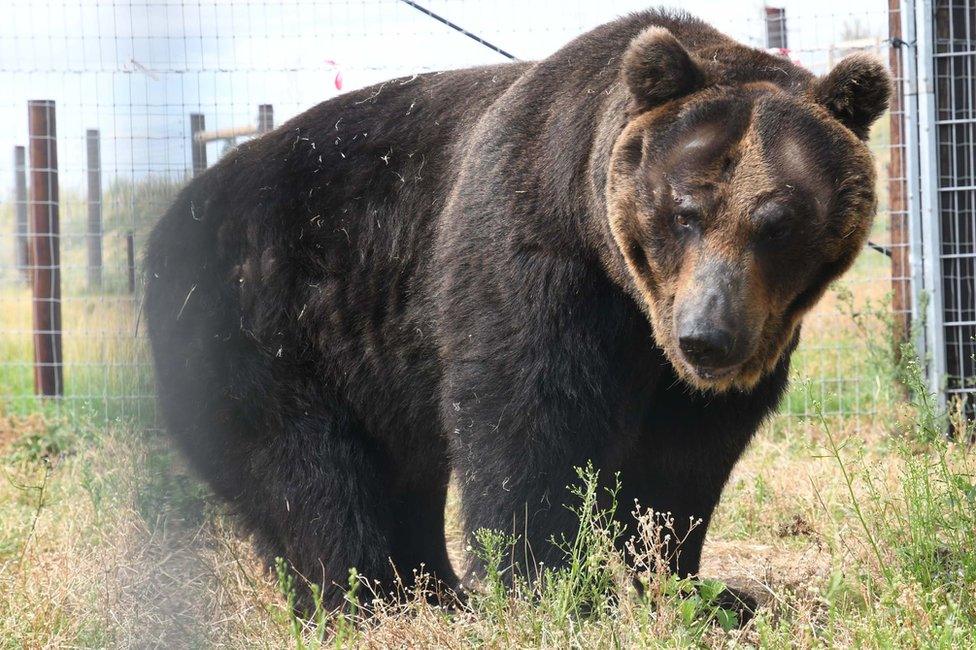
(135, 69)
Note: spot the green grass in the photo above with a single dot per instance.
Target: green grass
(106, 368)
(855, 541)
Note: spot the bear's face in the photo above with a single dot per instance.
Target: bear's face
(734, 206)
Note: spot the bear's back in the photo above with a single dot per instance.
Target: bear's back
(302, 248)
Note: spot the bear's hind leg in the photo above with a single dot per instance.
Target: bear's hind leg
(318, 498)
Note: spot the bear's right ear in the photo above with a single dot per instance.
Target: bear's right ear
(857, 92)
(657, 68)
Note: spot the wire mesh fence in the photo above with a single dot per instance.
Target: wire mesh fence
(148, 92)
(955, 120)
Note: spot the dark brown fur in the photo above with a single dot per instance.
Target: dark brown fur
(477, 272)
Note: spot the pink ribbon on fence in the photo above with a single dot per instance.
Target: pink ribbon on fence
(338, 73)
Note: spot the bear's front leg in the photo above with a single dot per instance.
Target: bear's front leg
(535, 371)
(515, 460)
(690, 442)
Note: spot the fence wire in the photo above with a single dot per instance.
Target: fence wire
(955, 120)
(146, 90)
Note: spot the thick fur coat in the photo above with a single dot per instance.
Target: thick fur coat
(461, 273)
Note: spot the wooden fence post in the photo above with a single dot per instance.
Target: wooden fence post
(45, 248)
(21, 240)
(198, 150)
(94, 156)
(901, 272)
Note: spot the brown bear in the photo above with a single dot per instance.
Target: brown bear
(505, 273)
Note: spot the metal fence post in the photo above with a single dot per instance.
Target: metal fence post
(21, 241)
(929, 198)
(94, 157)
(45, 248)
(916, 257)
(198, 150)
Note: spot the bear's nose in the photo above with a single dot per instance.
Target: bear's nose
(711, 348)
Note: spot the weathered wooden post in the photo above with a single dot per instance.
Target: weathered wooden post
(45, 248)
(21, 241)
(198, 149)
(901, 272)
(94, 209)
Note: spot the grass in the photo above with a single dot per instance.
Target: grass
(851, 535)
(106, 366)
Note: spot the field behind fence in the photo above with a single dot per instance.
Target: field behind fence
(129, 76)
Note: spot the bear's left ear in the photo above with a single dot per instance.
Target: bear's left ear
(657, 68)
(856, 91)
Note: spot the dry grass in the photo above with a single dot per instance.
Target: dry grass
(104, 541)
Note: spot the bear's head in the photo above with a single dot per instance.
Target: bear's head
(735, 198)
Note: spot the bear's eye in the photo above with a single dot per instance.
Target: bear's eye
(773, 221)
(776, 231)
(686, 219)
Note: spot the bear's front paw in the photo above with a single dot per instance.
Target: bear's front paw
(739, 600)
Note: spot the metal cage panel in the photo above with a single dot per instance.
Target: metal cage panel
(954, 77)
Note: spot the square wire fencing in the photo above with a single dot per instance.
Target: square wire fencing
(954, 71)
(142, 95)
